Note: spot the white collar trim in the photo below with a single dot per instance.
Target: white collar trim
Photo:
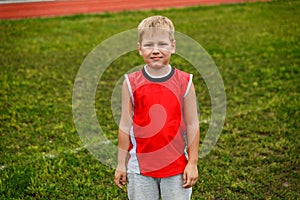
(161, 76)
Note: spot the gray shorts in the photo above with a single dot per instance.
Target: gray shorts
(147, 188)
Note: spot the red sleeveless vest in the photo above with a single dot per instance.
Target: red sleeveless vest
(158, 133)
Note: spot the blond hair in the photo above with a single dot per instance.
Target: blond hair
(156, 22)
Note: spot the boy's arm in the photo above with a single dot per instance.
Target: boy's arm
(123, 137)
(190, 174)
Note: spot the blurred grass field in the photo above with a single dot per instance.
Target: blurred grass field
(257, 50)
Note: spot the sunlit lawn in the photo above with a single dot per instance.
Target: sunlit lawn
(257, 51)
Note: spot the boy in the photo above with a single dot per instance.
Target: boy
(158, 121)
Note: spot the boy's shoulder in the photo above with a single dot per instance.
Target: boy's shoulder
(134, 74)
(183, 74)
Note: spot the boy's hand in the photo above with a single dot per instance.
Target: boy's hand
(190, 175)
(120, 178)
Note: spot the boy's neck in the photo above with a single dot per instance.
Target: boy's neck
(157, 73)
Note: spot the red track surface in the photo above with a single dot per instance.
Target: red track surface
(69, 7)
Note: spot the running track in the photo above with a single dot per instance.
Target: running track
(71, 7)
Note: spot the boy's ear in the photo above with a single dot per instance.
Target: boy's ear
(139, 48)
(173, 46)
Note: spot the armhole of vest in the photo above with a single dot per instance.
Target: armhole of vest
(129, 87)
(189, 85)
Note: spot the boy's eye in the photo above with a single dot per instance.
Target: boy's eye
(148, 45)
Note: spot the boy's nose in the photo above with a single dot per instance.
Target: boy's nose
(155, 50)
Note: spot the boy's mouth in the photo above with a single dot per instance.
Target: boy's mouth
(156, 58)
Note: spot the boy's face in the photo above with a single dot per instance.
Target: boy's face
(156, 48)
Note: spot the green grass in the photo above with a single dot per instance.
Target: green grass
(257, 50)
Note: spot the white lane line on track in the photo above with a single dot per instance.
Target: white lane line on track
(22, 1)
